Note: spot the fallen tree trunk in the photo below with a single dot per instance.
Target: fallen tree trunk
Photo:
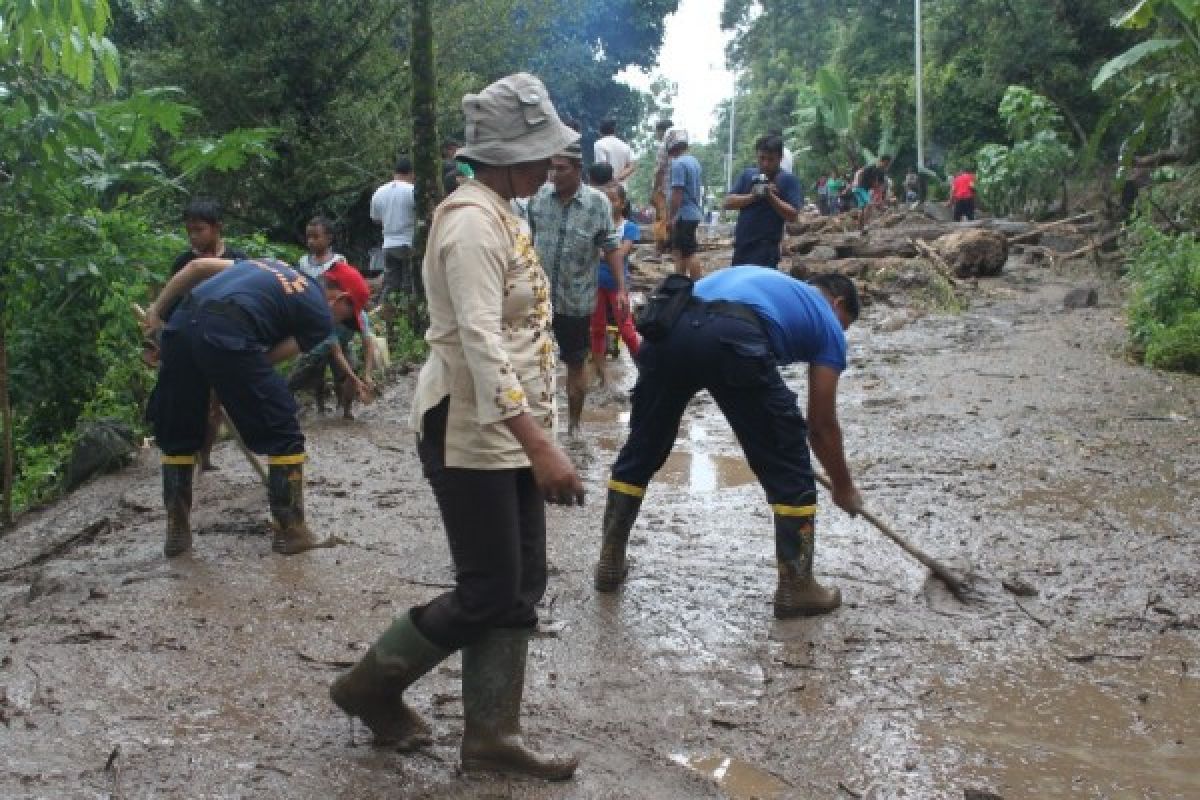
(864, 268)
(1040, 229)
(1083, 251)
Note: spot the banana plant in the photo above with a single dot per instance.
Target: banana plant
(1167, 93)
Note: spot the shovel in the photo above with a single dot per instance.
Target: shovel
(959, 584)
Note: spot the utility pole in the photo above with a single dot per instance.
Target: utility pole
(920, 92)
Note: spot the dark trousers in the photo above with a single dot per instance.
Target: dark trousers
(964, 209)
(760, 253)
(255, 396)
(731, 358)
(400, 274)
(496, 525)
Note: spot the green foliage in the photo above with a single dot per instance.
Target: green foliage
(405, 345)
(333, 80)
(1027, 176)
(973, 52)
(1164, 300)
(84, 171)
(1160, 76)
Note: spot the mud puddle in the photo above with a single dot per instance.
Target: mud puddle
(737, 779)
(1118, 725)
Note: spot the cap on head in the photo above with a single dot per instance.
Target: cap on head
(345, 278)
(512, 121)
(674, 138)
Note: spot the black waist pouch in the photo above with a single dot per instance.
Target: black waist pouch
(663, 307)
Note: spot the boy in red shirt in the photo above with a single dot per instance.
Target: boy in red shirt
(962, 195)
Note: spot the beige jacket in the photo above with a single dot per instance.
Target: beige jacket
(490, 345)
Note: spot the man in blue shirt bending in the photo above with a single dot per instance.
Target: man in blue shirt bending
(766, 198)
(742, 324)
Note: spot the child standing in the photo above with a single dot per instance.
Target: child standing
(318, 237)
(606, 285)
(308, 372)
(202, 219)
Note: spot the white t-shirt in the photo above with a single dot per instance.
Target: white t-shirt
(394, 206)
(786, 162)
(611, 150)
(315, 269)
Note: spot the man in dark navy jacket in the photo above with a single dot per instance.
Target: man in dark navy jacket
(225, 335)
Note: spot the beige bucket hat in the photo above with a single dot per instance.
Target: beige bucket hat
(513, 121)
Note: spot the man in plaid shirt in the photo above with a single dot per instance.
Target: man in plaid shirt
(570, 222)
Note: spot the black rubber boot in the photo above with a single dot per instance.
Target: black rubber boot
(798, 594)
(493, 681)
(372, 689)
(285, 493)
(620, 512)
(177, 497)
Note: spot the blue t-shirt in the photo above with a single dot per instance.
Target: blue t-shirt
(799, 321)
(685, 174)
(759, 221)
(604, 279)
(281, 301)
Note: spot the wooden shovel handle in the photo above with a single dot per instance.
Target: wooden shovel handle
(934, 566)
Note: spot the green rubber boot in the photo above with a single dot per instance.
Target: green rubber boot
(493, 681)
(620, 512)
(798, 594)
(285, 494)
(372, 689)
(177, 497)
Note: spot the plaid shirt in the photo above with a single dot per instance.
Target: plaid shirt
(567, 238)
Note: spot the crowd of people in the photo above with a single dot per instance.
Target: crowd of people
(526, 267)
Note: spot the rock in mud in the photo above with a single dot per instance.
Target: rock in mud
(1081, 297)
(102, 445)
(1014, 585)
(974, 253)
(980, 794)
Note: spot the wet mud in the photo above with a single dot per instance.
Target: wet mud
(1013, 437)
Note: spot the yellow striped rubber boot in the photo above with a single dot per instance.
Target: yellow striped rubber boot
(798, 594)
(620, 512)
(177, 498)
(285, 494)
(493, 683)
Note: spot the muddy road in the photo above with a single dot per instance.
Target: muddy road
(1014, 436)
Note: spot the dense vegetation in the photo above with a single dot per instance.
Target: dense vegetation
(1035, 95)
(114, 112)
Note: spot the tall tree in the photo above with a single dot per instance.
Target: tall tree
(428, 190)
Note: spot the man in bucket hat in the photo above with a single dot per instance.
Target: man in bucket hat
(483, 410)
(570, 222)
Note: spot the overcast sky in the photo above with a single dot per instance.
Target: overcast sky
(693, 56)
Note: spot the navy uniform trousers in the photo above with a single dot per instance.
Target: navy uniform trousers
(254, 394)
(760, 252)
(730, 356)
